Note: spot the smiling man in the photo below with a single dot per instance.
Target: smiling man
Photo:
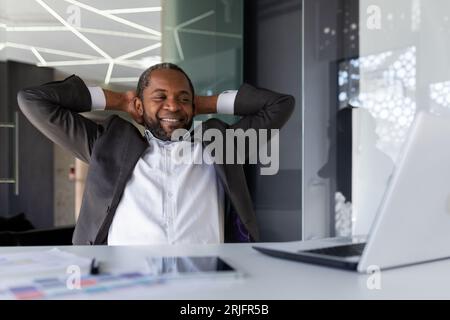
(135, 192)
(168, 104)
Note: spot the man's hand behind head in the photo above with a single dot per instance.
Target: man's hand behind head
(123, 101)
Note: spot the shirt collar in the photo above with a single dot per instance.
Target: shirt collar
(188, 136)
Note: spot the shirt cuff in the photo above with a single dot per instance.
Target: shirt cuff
(225, 102)
(98, 98)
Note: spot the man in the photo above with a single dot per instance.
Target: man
(135, 192)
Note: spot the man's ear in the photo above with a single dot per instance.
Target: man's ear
(139, 106)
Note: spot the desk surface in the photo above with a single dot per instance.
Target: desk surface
(271, 278)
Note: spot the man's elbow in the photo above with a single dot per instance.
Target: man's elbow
(285, 109)
(28, 97)
(28, 100)
(23, 99)
(290, 104)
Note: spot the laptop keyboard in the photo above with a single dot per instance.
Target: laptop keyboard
(341, 251)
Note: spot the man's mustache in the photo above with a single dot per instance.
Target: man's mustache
(174, 116)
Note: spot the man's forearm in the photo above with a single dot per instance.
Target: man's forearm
(123, 101)
(120, 102)
(206, 105)
(115, 100)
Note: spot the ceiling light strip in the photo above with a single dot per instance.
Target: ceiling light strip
(130, 64)
(35, 28)
(126, 63)
(211, 33)
(140, 51)
(133, 10)
(50, 51)
(113, 17)
(109, 72)
(85, 30)
(119, 33)
(193, 20)
(184, 24)
(125, 79)
(71, 28)
(38, 56)
(178, 44)
(76, 63)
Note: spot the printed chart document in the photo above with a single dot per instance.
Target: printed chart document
(45, 275)
(31, 263)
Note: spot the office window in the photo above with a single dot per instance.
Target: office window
(400, 67)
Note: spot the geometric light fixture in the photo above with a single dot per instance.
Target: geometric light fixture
(79, 59)
(127, 60)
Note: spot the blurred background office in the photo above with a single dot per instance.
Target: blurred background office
(219, 43)
(359, 70)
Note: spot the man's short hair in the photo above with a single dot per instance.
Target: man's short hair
(144, 79)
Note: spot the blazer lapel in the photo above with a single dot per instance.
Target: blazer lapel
(133, 147)
(133, 150)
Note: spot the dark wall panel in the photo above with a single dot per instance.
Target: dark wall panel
(4, 142)
(35, 197)
(272, 59)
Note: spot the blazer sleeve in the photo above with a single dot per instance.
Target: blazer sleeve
(262, 108)
(54, 108)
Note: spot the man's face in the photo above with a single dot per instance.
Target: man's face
(167, 103)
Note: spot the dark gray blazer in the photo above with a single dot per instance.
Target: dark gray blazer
(113, 147)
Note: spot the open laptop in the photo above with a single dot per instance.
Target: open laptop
(413, 221)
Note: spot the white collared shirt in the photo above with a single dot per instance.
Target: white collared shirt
(168, 202)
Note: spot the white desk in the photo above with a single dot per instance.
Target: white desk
(270, 278)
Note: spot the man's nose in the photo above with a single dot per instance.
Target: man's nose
(172, 105)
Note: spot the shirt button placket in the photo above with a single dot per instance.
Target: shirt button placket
(169, 191)
(166, 200)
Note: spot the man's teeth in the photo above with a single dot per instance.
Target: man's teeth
(170, 120)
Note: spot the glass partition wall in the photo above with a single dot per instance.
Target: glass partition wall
(205, 38)
(369, 67)
(330, 37)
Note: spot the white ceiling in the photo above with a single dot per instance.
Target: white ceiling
(83, 37)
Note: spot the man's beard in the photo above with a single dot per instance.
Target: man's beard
(154, 126)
